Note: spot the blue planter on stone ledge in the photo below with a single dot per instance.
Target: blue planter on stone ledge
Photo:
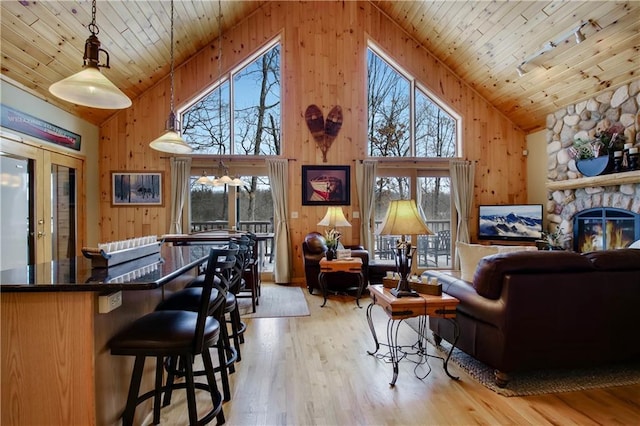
(594, 166)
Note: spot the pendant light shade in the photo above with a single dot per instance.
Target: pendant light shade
(171, 141)
(89, 87)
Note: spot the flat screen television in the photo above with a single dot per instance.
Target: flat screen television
(511, 222)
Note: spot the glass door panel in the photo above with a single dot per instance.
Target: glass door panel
(46, 205)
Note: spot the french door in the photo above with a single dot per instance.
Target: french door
(42, 204)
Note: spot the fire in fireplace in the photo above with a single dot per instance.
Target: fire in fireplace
(605, 228)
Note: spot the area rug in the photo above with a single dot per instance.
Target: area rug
(276, 301)
(541, 381)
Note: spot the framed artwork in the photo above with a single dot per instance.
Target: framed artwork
(136, 189)
(326, 185)
(32, 126)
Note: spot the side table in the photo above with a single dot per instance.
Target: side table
(399, 309)
(351, 265)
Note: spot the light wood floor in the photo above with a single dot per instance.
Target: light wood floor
(315, 370)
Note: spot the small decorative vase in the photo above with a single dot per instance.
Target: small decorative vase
(331, 253)
(594, 166)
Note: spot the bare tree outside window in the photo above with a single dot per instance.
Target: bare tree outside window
(241, 116)
(392, 135)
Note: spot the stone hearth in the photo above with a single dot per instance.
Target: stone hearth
(568, 191)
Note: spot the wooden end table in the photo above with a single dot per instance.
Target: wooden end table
(352, 265)
(399, 309)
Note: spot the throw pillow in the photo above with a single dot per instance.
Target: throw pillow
(470, 255)
(511, 249)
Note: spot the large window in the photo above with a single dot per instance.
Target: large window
(404, 120)
(433, 196)
(240, 114)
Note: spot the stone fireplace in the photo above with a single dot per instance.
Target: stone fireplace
(591, 209)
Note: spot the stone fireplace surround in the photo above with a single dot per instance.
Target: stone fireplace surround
(568, 192)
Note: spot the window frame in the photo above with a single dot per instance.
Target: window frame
(414, 85)
(228, 76)
(411, 169)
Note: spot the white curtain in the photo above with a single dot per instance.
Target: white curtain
(365, 183)
(180, 173)
(462, 177)
(278, 177)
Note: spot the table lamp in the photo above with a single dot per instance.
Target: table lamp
(333, 219)
(403, 218)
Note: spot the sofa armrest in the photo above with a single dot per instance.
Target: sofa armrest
(471, 303)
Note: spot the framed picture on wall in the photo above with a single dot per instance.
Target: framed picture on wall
(326, 185)
(136, 189)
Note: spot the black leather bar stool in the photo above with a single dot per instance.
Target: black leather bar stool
(189, 299)
(232, 312)
(249, 287)
(174, 333)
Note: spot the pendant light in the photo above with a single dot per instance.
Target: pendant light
(171, 141)
(225, 179)
(223, 170)
(204, 179)
(89, 87)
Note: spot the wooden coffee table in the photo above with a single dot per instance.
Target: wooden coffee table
(352, 265)
(399, 309)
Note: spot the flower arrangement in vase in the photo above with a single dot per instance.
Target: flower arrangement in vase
(332, 238)
(555, 240)
(594, 156)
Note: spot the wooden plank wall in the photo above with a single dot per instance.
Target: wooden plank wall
(324, 63)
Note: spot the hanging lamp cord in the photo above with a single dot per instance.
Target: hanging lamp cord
(220, 69)
(171, 72)
(92, 26)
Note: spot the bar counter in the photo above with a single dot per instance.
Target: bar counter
(56, 365)
(77, 274)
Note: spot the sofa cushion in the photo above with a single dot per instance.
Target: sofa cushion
(615, 260)
(470, 255)
(511, 249)
(491, 270)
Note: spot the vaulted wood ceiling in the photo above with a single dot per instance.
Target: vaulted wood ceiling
(482, 42)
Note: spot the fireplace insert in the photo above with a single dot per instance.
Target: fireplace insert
(605, 228)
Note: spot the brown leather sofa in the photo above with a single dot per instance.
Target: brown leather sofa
(313, 248)
(547, 309)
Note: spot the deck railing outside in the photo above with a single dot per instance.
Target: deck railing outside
(255, 226)
(433, 250)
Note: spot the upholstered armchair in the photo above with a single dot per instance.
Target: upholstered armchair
(313, 249)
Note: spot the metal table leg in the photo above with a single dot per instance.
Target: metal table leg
(323, 285)
(373, 330)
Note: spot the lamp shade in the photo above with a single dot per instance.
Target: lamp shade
(334, 217)
(403, 218)
(90, 88)
(204, 180)
(171, 142)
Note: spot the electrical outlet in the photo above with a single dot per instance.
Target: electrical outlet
(356, 215)
(294, 215)
(109, 302)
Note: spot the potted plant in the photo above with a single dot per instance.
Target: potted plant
(595, 156)
(332, 238)
(555, 240)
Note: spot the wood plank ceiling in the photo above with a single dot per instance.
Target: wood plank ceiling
(483, 42)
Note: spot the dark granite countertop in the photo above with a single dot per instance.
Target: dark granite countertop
(77, 274)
